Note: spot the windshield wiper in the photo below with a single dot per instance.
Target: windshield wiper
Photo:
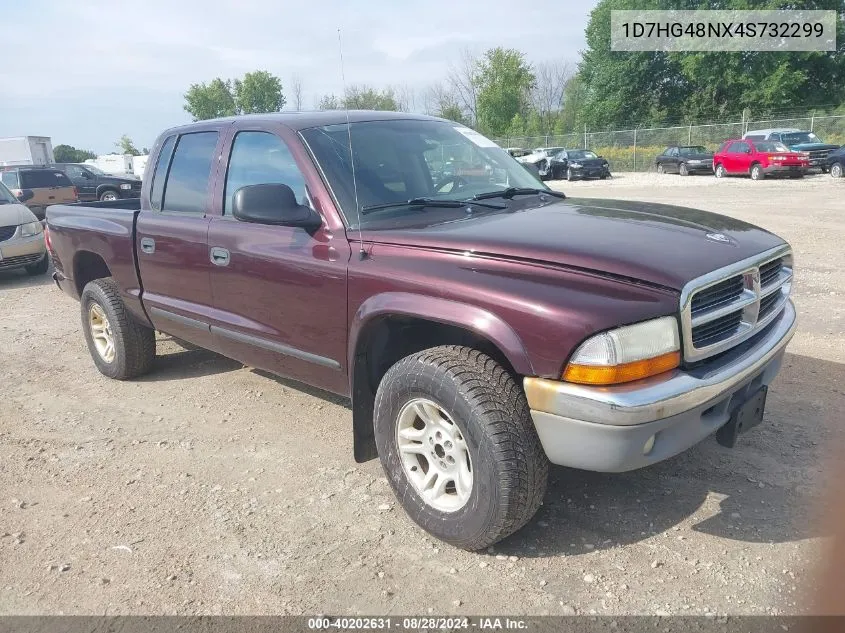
(429, 202)
(510, 192)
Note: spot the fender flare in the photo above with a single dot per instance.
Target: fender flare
(469, 317)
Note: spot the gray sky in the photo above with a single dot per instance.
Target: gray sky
(87, 71)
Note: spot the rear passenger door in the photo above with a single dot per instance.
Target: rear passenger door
(279, 291)
(171, 236)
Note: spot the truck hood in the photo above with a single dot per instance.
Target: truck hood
(658, 244)
(807, 147)
(14, 214)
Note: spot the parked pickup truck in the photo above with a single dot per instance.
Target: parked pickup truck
(482, 328)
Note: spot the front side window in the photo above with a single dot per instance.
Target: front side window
(400, 160)
(259, 158)
(75, 171)
(186, 189)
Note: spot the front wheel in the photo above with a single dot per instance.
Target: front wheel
(683, 170)
(661, 169)
(457, 443)
(121, 347)
(569, 175)
(108, 196)
(836, 170)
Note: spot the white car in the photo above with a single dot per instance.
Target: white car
(541, 157)
(21, 235)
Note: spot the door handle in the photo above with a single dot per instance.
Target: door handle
(219, 256)
(148, 245)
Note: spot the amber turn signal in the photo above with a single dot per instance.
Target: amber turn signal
(617, 374)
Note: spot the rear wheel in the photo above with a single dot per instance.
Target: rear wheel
(121, 347)
(457, 443)
(720, 172)
(757, 172)
(836, 170)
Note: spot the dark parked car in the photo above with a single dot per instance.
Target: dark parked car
(684, 160)
(482, 330)
(573, 164)
(835, 162)
(93, 183)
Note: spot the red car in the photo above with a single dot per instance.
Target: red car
(759, 159)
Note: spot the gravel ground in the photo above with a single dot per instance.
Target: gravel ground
(208, 487)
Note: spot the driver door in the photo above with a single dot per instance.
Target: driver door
(279, 292)
(84, 181)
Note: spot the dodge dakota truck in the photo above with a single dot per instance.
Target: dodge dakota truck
(483, 325)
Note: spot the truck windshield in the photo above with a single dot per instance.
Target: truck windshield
(799, 138)
(401, 160)
(6, 196)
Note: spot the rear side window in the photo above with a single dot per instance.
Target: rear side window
(41, 178)
(160, 173)
(10, 179)
(186, 189)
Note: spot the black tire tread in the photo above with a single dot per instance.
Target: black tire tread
(509, 428)
(136, 340)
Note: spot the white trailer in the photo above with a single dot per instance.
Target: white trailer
(26, 150)
(114, 164)
(139, 164)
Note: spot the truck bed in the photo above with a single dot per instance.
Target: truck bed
(95, 239)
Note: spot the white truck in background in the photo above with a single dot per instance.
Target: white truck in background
(26, 150)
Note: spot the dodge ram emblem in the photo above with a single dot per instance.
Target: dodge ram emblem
(718, 237)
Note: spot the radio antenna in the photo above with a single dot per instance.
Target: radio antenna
(362, 254)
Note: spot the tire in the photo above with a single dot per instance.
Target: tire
(757, 172)
(109, 195)
(133, 345)
(661, 169)
(485, 414)
(720, 172)
(40, 268)
(836, 170)
(569, 175)
(682, 169)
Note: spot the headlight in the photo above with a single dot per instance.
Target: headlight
(575, 165)
(31, 228)
(125, 186)
(626, 353)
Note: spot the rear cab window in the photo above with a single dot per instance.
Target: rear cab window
(186, 186)
(10, 179)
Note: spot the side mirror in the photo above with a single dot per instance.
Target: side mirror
(272, 204)
(26, 194)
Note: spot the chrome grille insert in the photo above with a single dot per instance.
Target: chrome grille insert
(724, 308)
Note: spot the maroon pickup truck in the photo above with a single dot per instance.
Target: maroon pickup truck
(482, 325)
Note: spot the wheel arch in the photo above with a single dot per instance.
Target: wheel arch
(391, 326)
(106, 187)
(88, 266)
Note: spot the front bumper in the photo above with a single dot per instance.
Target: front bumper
(607, 429)
(22, 251)
(590, 172)
(781, 170)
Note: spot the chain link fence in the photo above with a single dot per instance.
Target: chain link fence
(635, 150)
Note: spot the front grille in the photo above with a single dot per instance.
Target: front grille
(717, 295)
(20, 260)
(818, 155)
(717, 330)
(725, 308)
(6, 232)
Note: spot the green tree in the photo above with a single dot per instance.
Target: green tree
(503, 80)
(571, 116)
(517, 126)
(69, 154)
(211, 100)
(126, 146)
(368, 98)
(258, 92)
(329, 102)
